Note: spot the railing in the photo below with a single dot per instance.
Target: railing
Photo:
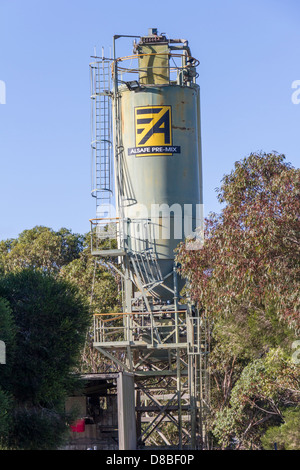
(105, 233)
(157, 330)
(136, 233)
(179, 68)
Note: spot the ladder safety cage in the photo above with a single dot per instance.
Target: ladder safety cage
(101, 133)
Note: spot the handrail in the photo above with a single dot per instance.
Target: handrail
(187, 62)
(104, 228)
(104, 218)
(138, 325)
(139, 313)
(170, 54)
(115, 318)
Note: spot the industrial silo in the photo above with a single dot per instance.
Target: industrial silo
(146, 150)
(160, 173)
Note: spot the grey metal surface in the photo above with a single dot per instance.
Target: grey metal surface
(160, 187)
(126, 412)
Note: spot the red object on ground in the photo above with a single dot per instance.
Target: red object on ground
(79, 426)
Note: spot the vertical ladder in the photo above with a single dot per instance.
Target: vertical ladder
(199, 382)
(102, 165)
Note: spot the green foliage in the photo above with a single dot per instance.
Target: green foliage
(52, 320)
(5, 416)
(264, 387)
(50, 284)
(66, 256)
(96, 282)
(7, 334)
(287, 435)
(100, 286)
(7, 331)
(36, 428)
(40, 248)
(250, 256)
(245, 278)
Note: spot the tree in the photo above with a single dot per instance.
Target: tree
(287, 435)
(5, 416)
(99, 284)
(53, 285)
(67, 256)
(7, 335)
(52, 319)
(40, 248)
(265, 388)
(251, 251)
(246, 276)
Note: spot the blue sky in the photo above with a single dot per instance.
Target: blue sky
(249, 57)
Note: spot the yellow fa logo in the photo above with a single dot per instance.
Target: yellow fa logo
(153, 126)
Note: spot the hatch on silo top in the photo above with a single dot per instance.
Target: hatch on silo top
(153, 53)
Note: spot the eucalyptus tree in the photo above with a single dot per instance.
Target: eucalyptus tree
(246, 280)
